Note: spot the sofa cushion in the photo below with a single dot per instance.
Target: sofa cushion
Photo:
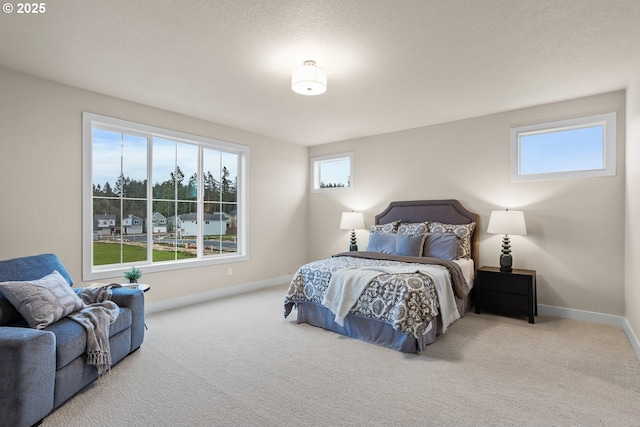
(32, 267)
(26, 268)
(43, 301)
(71, 338)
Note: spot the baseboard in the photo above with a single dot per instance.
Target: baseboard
(214, 294)
(633, 339)
(590, 316)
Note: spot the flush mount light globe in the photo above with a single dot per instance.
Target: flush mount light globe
(309, 79)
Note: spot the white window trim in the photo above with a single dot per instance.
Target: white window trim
(89, 272)
(315, 172)
(608, 120)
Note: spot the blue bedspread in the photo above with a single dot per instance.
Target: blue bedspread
(407, 301)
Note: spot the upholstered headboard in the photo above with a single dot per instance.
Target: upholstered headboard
(445, 211)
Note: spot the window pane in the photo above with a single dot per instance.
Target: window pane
(134, 235)
(214, 230)
(187, 230)
(164, 230)
(335, 173)
(229, 177)
(105, 249)
(562, 151)
(164, 166)
(134, 166)
(332, 173)
(230, 236)
(187, 171)
(107, 155)
(212, 171)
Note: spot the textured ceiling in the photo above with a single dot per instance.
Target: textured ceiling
(392, 64)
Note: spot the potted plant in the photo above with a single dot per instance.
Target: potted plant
(133, 275)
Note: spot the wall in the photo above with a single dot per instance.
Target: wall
(576, 226)
(41, 176)
(632, 226)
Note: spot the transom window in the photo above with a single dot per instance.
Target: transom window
(158, 199)
(332, 173)
(582, 147)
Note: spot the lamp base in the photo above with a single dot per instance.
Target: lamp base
(354, 245)
(506, 260)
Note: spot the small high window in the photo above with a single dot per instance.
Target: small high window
(575, 148)
(332, 173)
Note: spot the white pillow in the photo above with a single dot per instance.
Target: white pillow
(43, 301)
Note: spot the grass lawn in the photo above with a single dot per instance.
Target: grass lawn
(109, 253)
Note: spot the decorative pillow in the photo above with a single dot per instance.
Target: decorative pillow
(391, 227)
(410, 245)
(441, 245)
(411, 228)
(43, 301)
(384, 243)
(462, 231)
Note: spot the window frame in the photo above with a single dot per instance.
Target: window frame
(607, 120)
(315, 164)
(91, 272)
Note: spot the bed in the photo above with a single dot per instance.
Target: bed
(401, 300)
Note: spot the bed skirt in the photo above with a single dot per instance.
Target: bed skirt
(372, 330)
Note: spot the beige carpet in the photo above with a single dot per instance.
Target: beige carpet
(236, 362)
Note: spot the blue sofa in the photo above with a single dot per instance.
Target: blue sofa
(41, 369)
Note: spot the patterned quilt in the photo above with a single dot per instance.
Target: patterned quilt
(407, 301)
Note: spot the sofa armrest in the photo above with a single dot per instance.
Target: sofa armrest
(28, 370)
(133, 299)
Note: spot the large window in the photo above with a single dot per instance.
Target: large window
(158, 199)
(332, 173)
(582, 147)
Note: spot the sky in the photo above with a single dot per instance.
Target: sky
(546, 152)
(562, 151)
(114, 152)
(335, 171)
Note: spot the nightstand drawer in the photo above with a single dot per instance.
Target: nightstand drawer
(505, 303)
(508, 283)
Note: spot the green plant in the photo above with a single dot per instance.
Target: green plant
(133, 275)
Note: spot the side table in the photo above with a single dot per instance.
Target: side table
(511, 292)
(143, 287)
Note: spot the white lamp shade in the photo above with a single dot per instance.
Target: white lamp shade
(309, 79)
(352, 221)
(507, 222)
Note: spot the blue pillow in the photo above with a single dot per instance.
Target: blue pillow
(410, 245)
(384, 243)
(441, 245)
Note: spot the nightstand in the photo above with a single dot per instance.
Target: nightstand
(511, 292)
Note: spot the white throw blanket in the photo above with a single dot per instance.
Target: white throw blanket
(346, 286)
(96, 317)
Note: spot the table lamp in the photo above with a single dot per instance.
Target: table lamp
(506, 222)
(352, 221)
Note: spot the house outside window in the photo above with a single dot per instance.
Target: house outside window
(159, 200)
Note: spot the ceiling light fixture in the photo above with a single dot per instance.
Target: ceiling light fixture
(309, 79)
